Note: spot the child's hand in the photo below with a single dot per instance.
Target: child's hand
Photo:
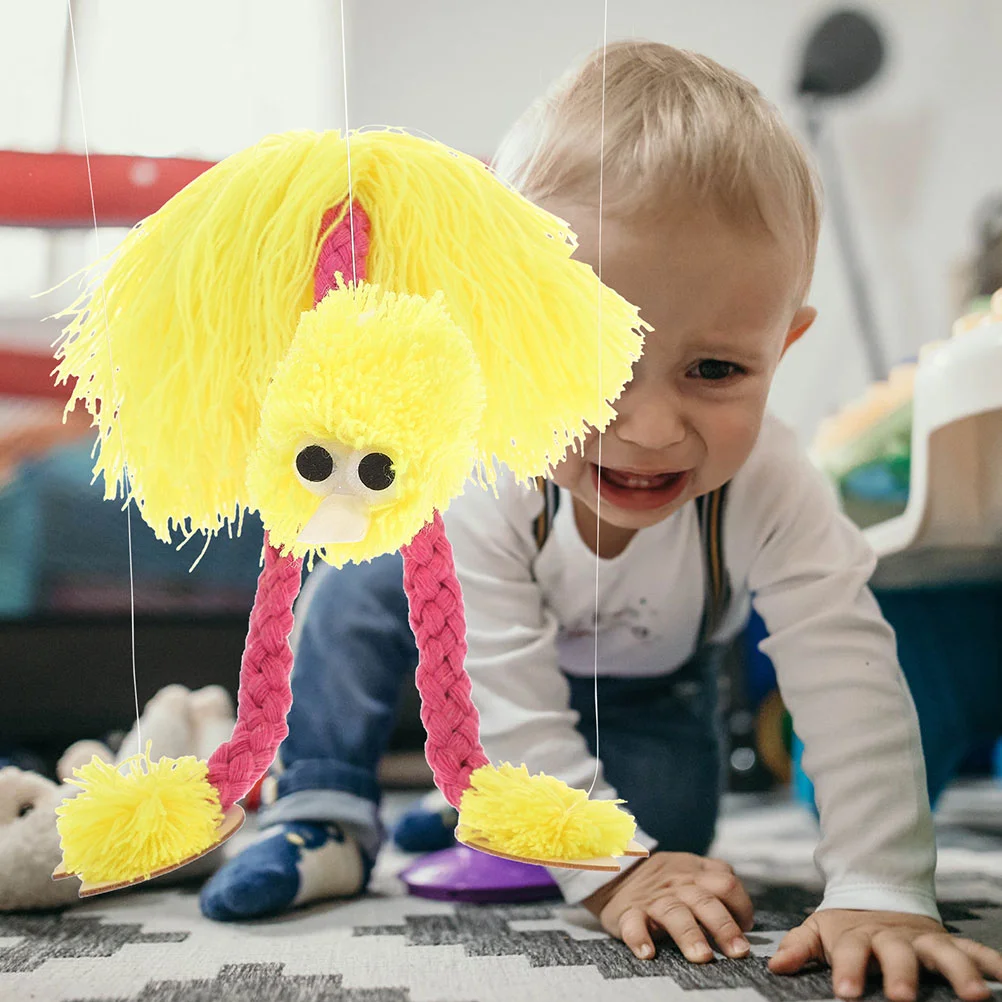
(899, 943)
(686, 896)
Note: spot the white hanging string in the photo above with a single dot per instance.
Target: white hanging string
(598, 481)
(111, 363)
(347, 146)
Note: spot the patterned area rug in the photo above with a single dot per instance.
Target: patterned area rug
(387, 947)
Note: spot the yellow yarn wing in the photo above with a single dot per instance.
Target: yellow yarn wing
(174, 346)
(542, 325)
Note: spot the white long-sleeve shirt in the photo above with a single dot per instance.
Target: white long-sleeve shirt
(805, 568)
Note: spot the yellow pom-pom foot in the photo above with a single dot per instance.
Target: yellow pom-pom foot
(139, 820)
(539, 819)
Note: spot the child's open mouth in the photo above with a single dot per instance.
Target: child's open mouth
(638, 491)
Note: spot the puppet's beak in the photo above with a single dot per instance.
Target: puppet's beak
(340, 518)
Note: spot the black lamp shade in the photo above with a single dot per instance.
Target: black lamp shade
(844, 53)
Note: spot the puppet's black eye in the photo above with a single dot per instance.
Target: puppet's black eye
(24, 810)
(315, 464)
(376, 471)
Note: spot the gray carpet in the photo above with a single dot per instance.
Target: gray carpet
(386, 947)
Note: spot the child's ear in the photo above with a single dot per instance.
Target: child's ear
(801, 321)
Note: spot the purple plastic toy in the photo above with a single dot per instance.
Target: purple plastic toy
(463, 874)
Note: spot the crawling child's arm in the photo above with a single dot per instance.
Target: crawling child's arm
(807, 569)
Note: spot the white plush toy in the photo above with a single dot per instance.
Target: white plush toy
(176, 721)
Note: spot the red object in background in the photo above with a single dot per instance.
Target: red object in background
(52, 190)
(252, 802)
(29, 374)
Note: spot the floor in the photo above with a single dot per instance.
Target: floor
(388, 947)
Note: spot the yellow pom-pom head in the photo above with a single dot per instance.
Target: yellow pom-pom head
(369, 425)
(138, 819)
(540, 817)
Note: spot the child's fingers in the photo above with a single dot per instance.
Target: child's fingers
(678, 921)
(712, 863)
(941, 953)
(899, 965)
(850, 958)
(723, 884)
(798, 947)
(987, 960)
(635, 933)
(713, 916)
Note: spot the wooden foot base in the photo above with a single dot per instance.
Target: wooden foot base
(611, 864)
(232, 822)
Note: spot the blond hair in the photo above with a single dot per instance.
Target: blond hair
(678, 126)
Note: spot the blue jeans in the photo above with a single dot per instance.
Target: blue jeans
(950, 650)
(354, 652)
(57, 531)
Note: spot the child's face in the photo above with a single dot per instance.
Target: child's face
(724, 307)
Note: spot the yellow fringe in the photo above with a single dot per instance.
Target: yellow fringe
(202, 300)
(378, 372)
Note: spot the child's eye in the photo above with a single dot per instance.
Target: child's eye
(714, 370)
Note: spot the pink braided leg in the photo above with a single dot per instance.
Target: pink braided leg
(264, 696)
(453, 747)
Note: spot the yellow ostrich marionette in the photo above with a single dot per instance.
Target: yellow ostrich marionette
(339, 354)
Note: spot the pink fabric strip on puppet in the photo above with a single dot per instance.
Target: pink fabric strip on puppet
(264, 697)
(336, 253)
(265, 694)
(453, 748)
